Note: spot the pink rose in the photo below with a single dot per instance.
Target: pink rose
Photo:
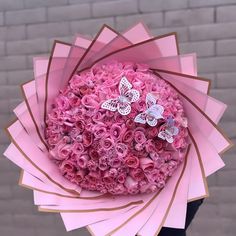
(93, 154)
(159, 162)
(85, 89)
(121, 177)
(92, 165)
(74, 101)
(99, 131)
(161, 184)
(80, 126)
(167, 156)
(98, 116)
(115, 162)
(76, 81)
(172, 166)
(130, 123)
(67, 166)
(118, 189)
(69, 175)
(103, 166)
(79, 176)
(87, 184)
(128, 136)
(107, 178)
(139, 137)
(132, 161)
(115, 131)
(106, 143)
(139, 147)
(90, 101)
(149, 83)
(108, 120)
(75, 135)
(94, 176)
(146, 164)
(55, 116)
(103, 159)
(153, 175)
(121, 149)
(137, 174)
(62, 103)
(149, 146)
(140, 153)
(54, 138)
(140, 105)
(152, 132)
(154, 156)
(101, 187)
(182, 154)
(119, 118)
(149, 188)
(111, 153)
(113, 172)
(63, 151)
(65, 140)
(179, 143)
(164, 169)
(160, 145)
(77, 148)
(82, 161)
(80, 113)
(87, 138)
(137, 82)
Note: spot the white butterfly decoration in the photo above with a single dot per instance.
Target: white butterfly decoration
(169, 131)
(152, 114)
(122, 103)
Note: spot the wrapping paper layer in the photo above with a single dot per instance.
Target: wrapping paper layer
(103, 214)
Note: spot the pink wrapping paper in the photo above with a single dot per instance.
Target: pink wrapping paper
(143, 214)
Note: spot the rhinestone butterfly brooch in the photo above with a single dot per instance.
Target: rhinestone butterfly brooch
(122, 103)
(168, 130)
(152, 114)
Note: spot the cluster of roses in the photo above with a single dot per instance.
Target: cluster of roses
(105, 151)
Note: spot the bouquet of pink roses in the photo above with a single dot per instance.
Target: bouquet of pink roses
(117, 133)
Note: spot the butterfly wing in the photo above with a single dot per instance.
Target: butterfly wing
(173, 130)
(162, 135)
(152, 121)
(150, 100)
(124, 85)
(156, 111)
(110, 104)
(132, 95)
(165, 136)
(141, 118)
(170, 121)
(124, 109)
(169, 139)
